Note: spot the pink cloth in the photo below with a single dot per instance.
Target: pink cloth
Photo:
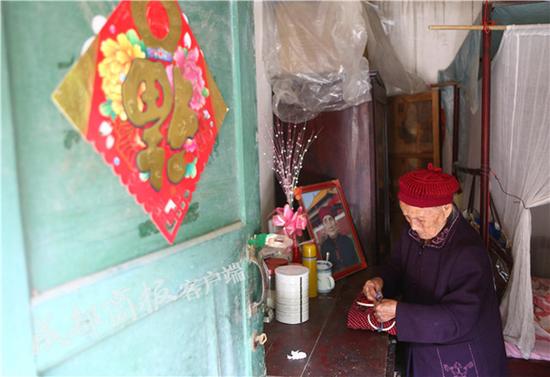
(541, 351)
(541, 305)
(541, 302)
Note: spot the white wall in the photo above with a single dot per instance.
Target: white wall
(424, 52)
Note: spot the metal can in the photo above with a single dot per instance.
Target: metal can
(309, 259)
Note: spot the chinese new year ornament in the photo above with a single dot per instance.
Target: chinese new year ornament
(142, 95)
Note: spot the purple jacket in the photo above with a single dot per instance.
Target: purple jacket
(448, 313)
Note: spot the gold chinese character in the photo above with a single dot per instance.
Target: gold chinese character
(151, 74)
(170, 41)
(151, 159)
(184, 122)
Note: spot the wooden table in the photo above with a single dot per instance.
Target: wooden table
(332, 349)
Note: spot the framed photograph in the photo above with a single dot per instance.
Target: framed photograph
(331, 226)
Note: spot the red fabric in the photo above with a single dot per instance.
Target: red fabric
(362, 318)
(427, 187)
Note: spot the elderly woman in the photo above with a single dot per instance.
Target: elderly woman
(448, 313)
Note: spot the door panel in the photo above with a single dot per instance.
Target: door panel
(172, 305)
(109, 296)
(16, 356)
(70, 199)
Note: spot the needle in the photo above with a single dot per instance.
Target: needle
(379, 298)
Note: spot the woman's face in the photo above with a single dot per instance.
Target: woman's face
(330, 226)
(426, 222)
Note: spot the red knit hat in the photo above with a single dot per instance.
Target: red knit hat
(427, 187)
(324, 211)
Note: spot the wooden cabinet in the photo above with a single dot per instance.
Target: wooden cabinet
(352, 147)
(411, 140)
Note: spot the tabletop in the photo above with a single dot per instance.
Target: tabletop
(331, 348)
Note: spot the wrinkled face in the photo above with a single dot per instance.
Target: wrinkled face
(427, 222)
(330, 226)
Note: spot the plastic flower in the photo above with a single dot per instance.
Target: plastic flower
(118, 56)
(190, 145)
(292, 222)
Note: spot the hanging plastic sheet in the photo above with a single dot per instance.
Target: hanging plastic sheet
(313, 54)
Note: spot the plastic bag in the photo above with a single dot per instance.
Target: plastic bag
(313, 53)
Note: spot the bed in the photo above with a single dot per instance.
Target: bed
(541, 306)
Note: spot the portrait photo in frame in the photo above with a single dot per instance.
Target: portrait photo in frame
(331, 226)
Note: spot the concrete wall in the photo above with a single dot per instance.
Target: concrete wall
(265, 121)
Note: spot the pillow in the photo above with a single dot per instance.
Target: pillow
(541, 302)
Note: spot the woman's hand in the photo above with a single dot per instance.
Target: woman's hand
(372, 287)
(385, 310)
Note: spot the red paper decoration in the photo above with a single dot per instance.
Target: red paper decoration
(151, 115)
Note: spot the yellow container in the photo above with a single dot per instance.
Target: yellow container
(309, 259)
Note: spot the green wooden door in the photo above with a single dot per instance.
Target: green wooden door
(89, 287)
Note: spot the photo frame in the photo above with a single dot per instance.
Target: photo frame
(331, 226)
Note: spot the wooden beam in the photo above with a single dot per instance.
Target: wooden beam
(485, 132)
(467, 27)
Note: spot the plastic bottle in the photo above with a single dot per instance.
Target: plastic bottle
(309, 259)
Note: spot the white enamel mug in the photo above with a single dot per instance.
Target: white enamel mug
(325, 281)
